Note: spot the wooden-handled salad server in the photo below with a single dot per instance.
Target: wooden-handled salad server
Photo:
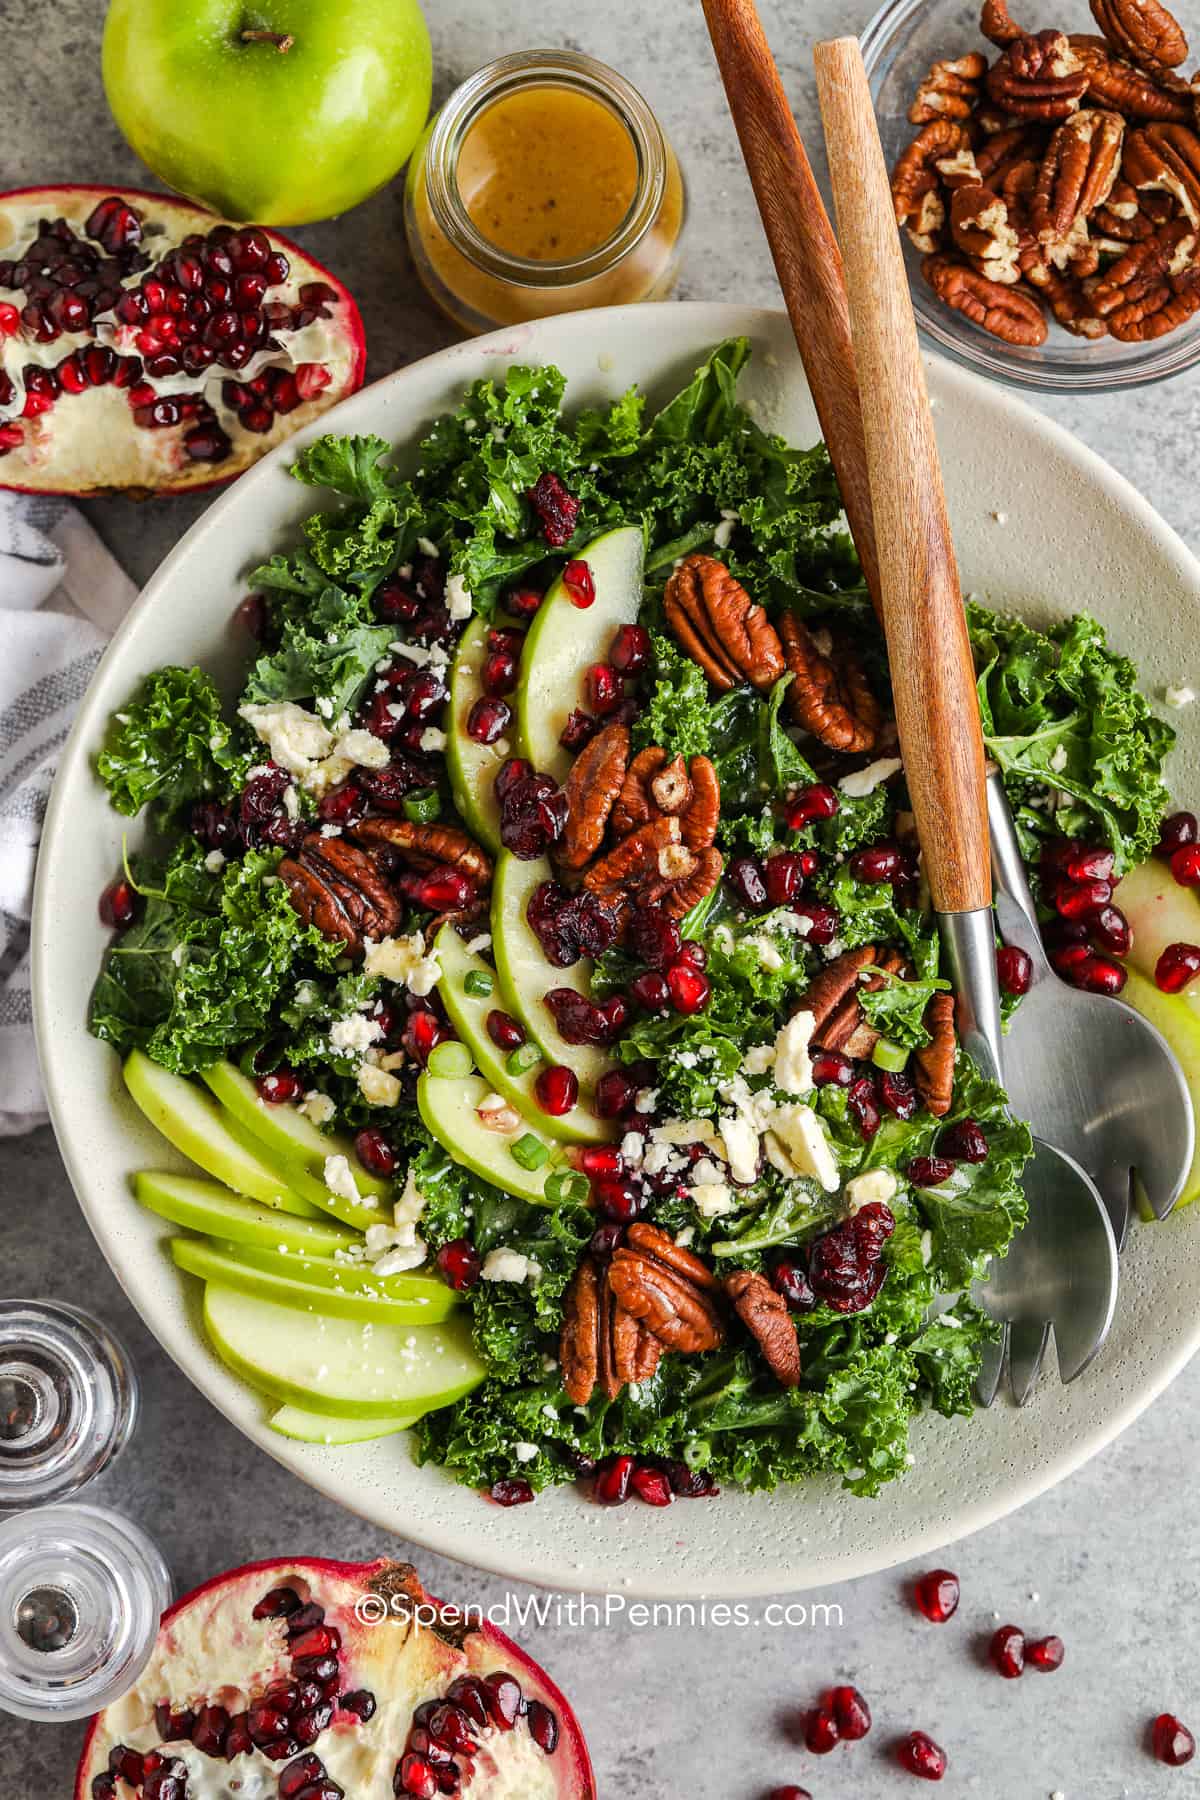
(892, 455)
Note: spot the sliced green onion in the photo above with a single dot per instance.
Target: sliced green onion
(529, 1151)
(423, 806)
(451, 1058)
(566, 1186)
(479, 982)
(698, 1453)
(522, 1059)
(887, 1055)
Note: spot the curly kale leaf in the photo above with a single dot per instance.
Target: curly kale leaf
(168, 747)
(328, 654)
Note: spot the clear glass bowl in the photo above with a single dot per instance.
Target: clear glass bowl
(899, 45)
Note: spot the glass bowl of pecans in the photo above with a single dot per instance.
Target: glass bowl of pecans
(1046, 174)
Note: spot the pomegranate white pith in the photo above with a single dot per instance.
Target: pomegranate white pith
(212, 1651)
(217, 366)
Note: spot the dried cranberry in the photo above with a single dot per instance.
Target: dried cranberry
(556, 1089)
(523, 602)
(880, 862)
(614, 1094)
(1176, 967)
(630, 649)
(1046, 1654)
(821, 1733)
(921, 1756)
(375, 1153)
(488, 720)
(1172, 1742)
(862, 1100)
(845, 1264)
(650, 991)
(579, 730)
(937, 1595)
(579, 1020)
(569, 926)
(262, 815)
(654, 937)
(556, 508)
(1007, 1651)
(811, 804)
(532, 810)
(118, 905)
(651, 1485)
(579, 584)
(831, 1067)
(930, 1171)
(822, 922)
(852, 1713)
(460, 1263)
(511, 1490)
(965, 1141)
(1175, 831)
(897, 1093)
(612, 1480)
(790, 1278)
(1014, 969)
(690, 1484)
(783, 877)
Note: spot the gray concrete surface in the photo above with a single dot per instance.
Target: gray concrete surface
(671, 1713)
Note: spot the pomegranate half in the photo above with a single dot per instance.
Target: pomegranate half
(313, 1679)
(147, 347)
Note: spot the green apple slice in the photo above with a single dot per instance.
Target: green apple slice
(449, 1109)
(199, 1257)
(433, 1296)
(472, 767)
(190, 1118)
(208, 1207)
(284, 1132)
(1179, 1022)
(1160, 913)
(526, 976)
(565, 638)
(468, 1013)
(326, 1428)
(341, 1366)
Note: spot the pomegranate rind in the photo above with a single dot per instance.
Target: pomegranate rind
(399, 1665)
(51, 460)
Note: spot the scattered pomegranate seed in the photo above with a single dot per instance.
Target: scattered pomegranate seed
(822, 922)
(619, 1203)
(965, 1141)
(693, 954)
(650, 991)
(651, 1485)
(880, 862)
(689, 989)
(577, 580)
(1177, 830)
(1176, 967)
(745, 877)
(1014, 969)
(937, 1591)
(375, 1153)
(602, 686)
(1112, 931)
(811, 804)
(783, 876)
(615, 1094)
(1046, 1653)
(1172, 1741)
(1082, 901)
(505, 1032)
(630, 648)
(830, 1067)
(579, 730)
(488, 720)
(1097, 975)
(556, 1089)
(821, 1733)
(921, 1756)
(612, 1480)
(118, 905)
(10, 320)
(523, 602)
(1007, 1651)
(789, 1793)
(1185, 865)
(499, 673)
(1093, 864)
(511, 1490)
(597, 1161)
(852, 1713)
(460, 1263)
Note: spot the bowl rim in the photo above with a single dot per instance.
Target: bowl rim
(1160, 360)
(895, 1543)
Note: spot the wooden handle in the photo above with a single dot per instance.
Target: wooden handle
(805, 250)
(929, 651)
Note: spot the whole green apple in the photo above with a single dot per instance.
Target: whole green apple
(282, 112)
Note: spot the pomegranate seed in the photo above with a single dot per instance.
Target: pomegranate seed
(881, 862)
(10, 319)
(253, 615)
(614, 1094)
(602, 686)
(343, 805)
(488, 720)
(1014, 969)
(114, 225)
(921, 1756)
(279, 1087)
(523, 602)
(504, 1030)
(319, 1640)
(504, 1699)
(208, 1733)
(375, 1153)
(810, 805)
(1007, 1651)
(1069, 957)
(299, 1774)
(127, 1763)
(861, 1101)
(693, 954)
(651, 1485)
(511, 1490)
(1097, 975)
(207, 443)
(618, 1202)
(556, 1089)
(852, 1713)
(630, 649)
(937, 1591)
(579, 730)
(1082, 901)
(557, 510)
(422, 1034)
(449, 1727)
(612, 1480)
(745, 877)
(783, 877)
(1046, 1653)
(1112, 931)
(1175, 831)
(599, 1161)
(689, 989)
(118, 905)
(543, 1726)
(257, 418)
(1178, 964)
(361, 1703)
(173, 1727)
(460, 1263)
(650, 991)
(1173, 1742)
(1185, 865)
(791, 1280)
(499, 673)
(822, 922)
(70, 311)
(654, 937)
(417, 1777)
(577, 580)
(439, 890)
(312, 379)
(280, 1603)
(821, 1733)
(789, 1793)
(1092, 864)
(10, 437)
(830, 1067)
(306, 1619)
(930, 1171)
(964, 1141)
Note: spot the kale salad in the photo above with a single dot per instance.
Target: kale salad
(534, 957)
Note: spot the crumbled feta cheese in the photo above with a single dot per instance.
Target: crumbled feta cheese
(633, 1146)
(339, 1179)
(214, 862)
(477, 944)
(510, 1265)
(1058, 761)
(645, 1100)
(331, 831)
(178, 954)
(491, 1103)
(1179, 696)
(404, 960)
(458, 599)
(767, 952)
(325, 706)
(318, 756)
(740, 1137)
(861, 782)
(796, 1145)
(411, 1204)
(724, 531)
(376, 1086)
(711, 1198)
(433, 738)
(426, 546)
(793, 1065)
(355, 1033)
(525, 1452)
(684, 1238)
(317, 1107)
(402, 1259)
(875, 1184)
(684, 1131)
(759, 1059)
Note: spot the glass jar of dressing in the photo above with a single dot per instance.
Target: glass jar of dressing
(545, 184)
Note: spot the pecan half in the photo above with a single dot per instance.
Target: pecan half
(996, 25)
(667, 1289)
(599, 1340)
(1039, 76)
(1153, 288)
(1077, 172)
(593, 787)
(671, 787)
(846, 1029)
(1122, 216)
(950, 90)
(1007, 312)
(634, 806)
(1142, 30)
(719, 625)
(982, 230)
(678, 898)
(699, 819)
(1069, 303)
(826, 992)
(338, 888)
(645, 855)
(916, 195)
(1115, 82)
(430, 845)
(1166, 158)
(765, 1315)
(933, 1064)
(832, 699)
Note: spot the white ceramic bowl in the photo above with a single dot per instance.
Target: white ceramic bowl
(1042, 525)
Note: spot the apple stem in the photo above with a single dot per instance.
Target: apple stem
(282, 40)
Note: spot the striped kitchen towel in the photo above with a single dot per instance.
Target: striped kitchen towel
(61, 596)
